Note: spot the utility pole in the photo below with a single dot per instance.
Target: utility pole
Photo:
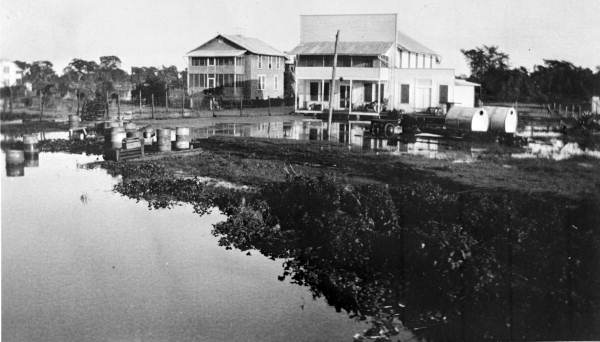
(332, 86)
(167, 99)
(152, 106)
(140, 100)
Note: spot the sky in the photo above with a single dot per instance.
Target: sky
(156, 33)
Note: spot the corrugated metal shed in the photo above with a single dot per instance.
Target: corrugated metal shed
(344, 48)
(407, 43)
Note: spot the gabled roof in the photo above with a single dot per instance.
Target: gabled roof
(242, 43)
(344, 48)
(407, 43)
(253, 45)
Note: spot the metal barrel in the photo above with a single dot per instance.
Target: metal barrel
(130, 126)
(133, 133)
(163, 139)
(32, 159)
(117, 134)
(30, 142)
(15, 157)
(148, 134)
(182, 138)
(74, 121)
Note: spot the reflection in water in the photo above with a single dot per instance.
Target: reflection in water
(110, 270)
(452, 265)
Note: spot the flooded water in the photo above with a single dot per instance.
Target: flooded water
(82, 263)
(536, 142)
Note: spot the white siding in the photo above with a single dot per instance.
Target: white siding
(353, 28)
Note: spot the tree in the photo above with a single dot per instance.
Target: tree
(43, 80)
(485, 59)
(80, 75)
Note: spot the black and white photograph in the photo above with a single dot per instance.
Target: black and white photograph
(300, 170)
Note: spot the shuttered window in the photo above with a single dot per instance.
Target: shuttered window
(443, 93)
(404, 93)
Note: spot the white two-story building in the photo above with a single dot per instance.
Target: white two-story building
(377, 66)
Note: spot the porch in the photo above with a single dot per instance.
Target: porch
(362, 97)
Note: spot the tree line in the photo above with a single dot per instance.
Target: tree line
(556, 81)
(89, 81)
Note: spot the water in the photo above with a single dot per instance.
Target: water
(537, 142)
(82, 263)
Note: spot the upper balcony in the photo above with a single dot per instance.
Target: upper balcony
(347, 73)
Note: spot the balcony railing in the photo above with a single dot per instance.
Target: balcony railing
(217, 69)
(324, 73)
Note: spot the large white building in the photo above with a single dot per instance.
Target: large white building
(10, 73)
(376, 64)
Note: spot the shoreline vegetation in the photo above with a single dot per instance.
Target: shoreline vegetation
(403, 245)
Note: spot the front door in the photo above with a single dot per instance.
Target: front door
(344, 96)
(211, 83)
(423, 98)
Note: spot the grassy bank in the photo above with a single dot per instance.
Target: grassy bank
(254, 161)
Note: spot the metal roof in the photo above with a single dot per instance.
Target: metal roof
(407, 43)
(248, 44)
(253, 45)
(460, 82)
(216, 53)
(344, 48)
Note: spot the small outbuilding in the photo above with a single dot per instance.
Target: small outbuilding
(464, 93)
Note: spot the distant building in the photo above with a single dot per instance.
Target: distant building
(376, 64)
(234, 66)
(10, 73)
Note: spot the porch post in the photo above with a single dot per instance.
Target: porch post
(378, 96)
(296, 95)
(234, 77)
(322, 92)
(350, 99)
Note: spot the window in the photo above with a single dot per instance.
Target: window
(239, 60)
(261, 82)
(260, 61)
(278, 62)
(326, 91)
(202, 83)
(368, 92)
(195, 61)
(275, 83)
(220, 82)
(211, 61)
(314, 91)
(240, 80)
(343, 61)
(443, 93)
(379, 92)
(270, 62)
(404, 93)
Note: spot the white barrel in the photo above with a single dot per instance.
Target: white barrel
(30, 142)
(467, 119)
(182, 138)
(163, 139)
(148, 134)
(15, 157)
(502, 119)
(117, 134)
